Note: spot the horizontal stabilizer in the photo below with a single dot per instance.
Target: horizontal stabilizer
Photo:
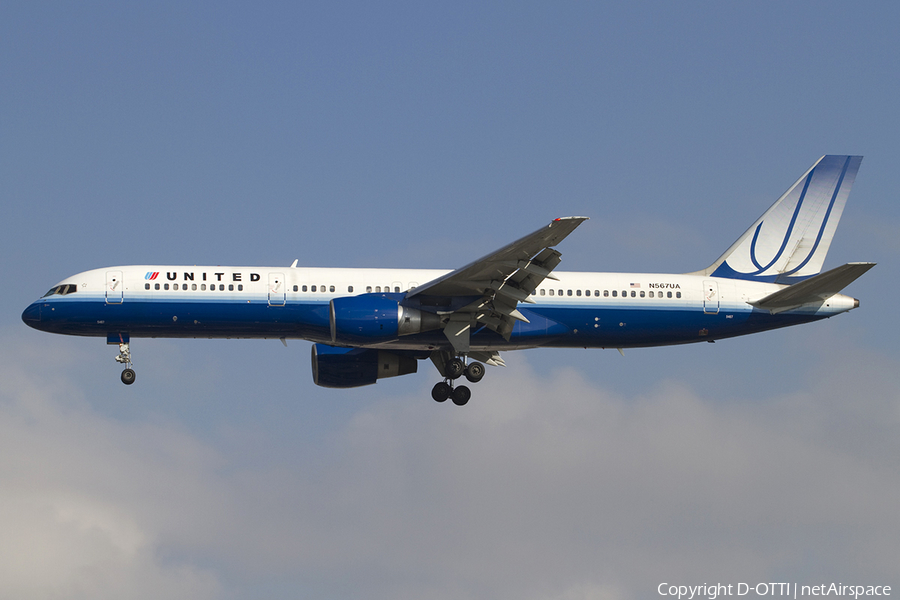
(815, 289)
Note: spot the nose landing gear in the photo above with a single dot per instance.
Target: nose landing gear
(124, 357)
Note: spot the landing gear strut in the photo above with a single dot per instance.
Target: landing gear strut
(124, 357)
(454, 369)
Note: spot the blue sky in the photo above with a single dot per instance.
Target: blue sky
(426, 135)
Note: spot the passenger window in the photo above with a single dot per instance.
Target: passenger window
(678, 294)
(313, 288)
(551, 292)
(193, 287)
(230, 287)
(146, 286)
(578, 292)
(368, 289)
(615, 293)
(166, 286)
(597, 293)
(642, 293)
(651, 293)
(184, 286)
(542, 291)
(202, 287)
(669, 294)
(560, 292)
(633, 293)
(377, 289)
(349, 289)
(396, 289)
(606, 293)
(331, 289)
(296, 288)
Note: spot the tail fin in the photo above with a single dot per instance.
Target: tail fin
(789, 242)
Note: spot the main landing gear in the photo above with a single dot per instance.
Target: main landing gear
(124, 357)
(453, 369)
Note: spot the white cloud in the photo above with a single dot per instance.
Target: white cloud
(82, 497)
(543, 488)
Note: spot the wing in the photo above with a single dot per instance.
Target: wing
(496, 283)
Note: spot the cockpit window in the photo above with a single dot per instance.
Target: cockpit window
(62, 290)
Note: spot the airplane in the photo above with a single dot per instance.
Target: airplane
(369, 324)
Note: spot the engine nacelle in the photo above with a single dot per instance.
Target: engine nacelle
(371, 319)
(353, 367)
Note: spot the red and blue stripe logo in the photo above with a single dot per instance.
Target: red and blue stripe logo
(151, 275)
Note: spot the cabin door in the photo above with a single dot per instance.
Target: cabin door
(115, 288)
(710, 297)
(276, 289)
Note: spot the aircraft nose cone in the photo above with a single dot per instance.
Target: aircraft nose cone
(32, 315)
